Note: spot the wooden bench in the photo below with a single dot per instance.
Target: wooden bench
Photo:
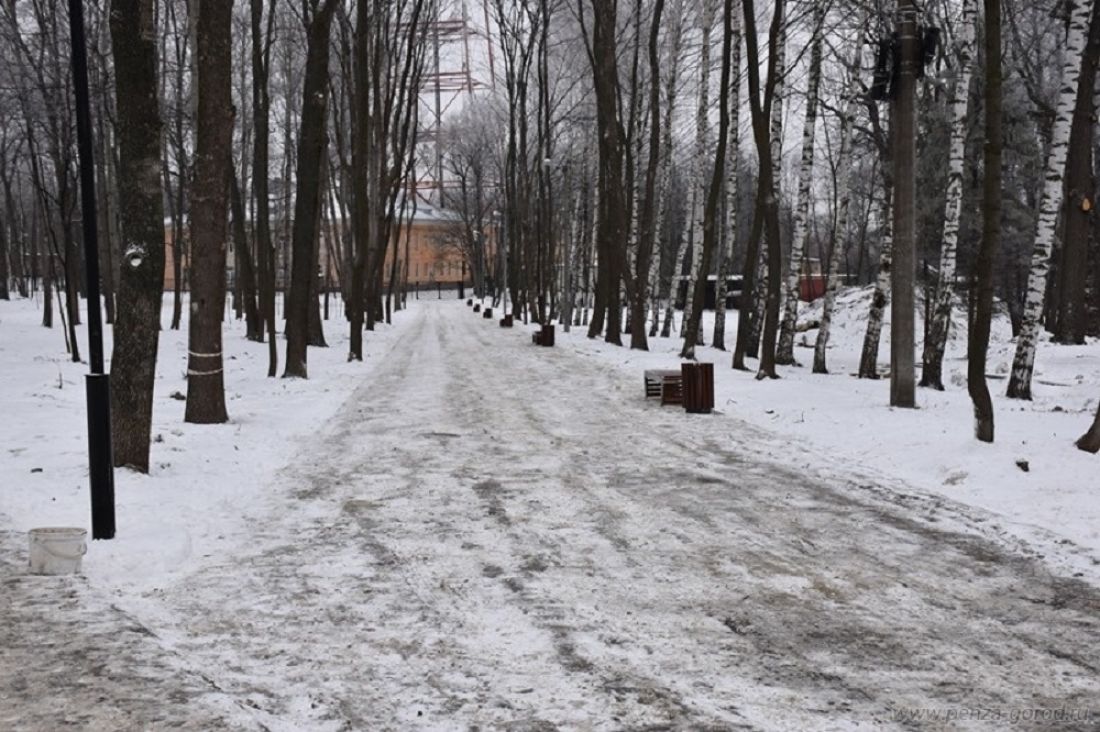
(666, 384)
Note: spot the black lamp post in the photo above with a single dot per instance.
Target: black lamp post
(98, 383)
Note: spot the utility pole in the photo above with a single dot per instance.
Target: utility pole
(903, 271)
(101, 470)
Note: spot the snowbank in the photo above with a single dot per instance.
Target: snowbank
(205, 482)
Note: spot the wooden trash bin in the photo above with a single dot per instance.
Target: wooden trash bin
(697, 382)
(506, 321)
(477, 307)
(469, 303)
(488, 313)
(546, 336)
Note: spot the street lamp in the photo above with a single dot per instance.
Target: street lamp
(98, 383)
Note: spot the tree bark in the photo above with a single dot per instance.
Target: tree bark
(1070, 307)
(991, 227)
(700, 194)
(246, 275)
(844, 199)
(612, 223)
(1090, 441)
(261, 120)
(733, 159)
(761, 111)
(648, 215)
(868, 360)
(714, 190)
(936, 341)
(209, 204)
(307, 198)
(141, 214)
(1050, 205)
(785, 352)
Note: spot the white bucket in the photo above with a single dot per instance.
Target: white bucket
(57, 550)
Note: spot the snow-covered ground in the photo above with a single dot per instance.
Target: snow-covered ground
(1056, 503)
(469, 531)
(205, 482)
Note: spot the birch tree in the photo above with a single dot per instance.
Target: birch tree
(729, 226)
(844, 198)
(714, 189)
(698, 176)
(936, 341)
(647, 218)
(785, 352)
(1067, 311)
(880, 296)
(1023, 363)
(761, 99)
(661, 293)
(762, 280)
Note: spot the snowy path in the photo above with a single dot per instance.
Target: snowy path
(497, 536)
(71, 660)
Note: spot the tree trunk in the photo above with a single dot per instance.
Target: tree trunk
(935, 342)
(761, 110)
(1090, 441)
(991, 228)
(246, 276)
(760, 292)
(307, 198)
(868, 361)
(261, 105)
(5, 268)
(209, 203)
(1070, 306)
(612, 220)
(844, 198)
(785, 353)
(729, 240)
(699, 197)
(1023, 364)
(749, 273)
(662, 293)
(141, 213)
(710, 214)
(648, 215)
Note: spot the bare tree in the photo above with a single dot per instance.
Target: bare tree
(1023, 364)
(761, 108)
(714, 190)
(785, 352)
(209, 208)
(991, 227)
(936, 341)
(141, 281)
(312, 143)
